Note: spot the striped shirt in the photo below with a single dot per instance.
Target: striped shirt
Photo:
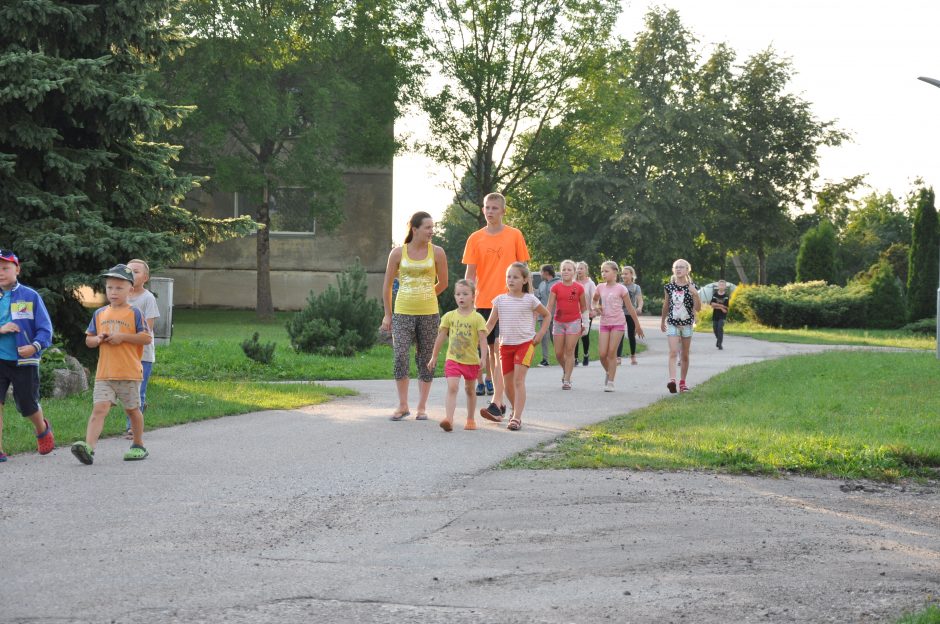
(516, 317)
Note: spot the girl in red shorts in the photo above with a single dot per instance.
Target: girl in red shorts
(514, 313)
(465, 350)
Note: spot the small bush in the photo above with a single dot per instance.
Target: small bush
(258, 352)
(886, 308)
(927, 327)
(809, 304)
(338, 321)
(53, 359)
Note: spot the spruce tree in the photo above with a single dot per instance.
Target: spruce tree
(84, 184)
(923, 267)
(817, 257)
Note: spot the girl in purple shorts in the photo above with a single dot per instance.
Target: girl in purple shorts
(610, 300)
(466, 329)
(567, 302)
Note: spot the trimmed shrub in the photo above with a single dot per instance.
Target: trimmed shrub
(816, 259)
(886, 309)
(927, 327)
(809, 304)
(338, 321)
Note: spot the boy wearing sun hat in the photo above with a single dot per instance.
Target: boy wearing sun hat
(119, 332)
(25, 330)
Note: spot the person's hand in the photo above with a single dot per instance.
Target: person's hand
(639, 332)
(386, 323)
(26, 351)
(662, 326)
(115, 339)
(102, 337)
(432, 364)
(9, 328)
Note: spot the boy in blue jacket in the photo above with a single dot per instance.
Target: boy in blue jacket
(25, 330)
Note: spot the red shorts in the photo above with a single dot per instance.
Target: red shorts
(516, 355)
(456, 369)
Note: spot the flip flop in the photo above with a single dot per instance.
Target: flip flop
(399, 415)
(446, 426)
(421, 416)
(514, 424)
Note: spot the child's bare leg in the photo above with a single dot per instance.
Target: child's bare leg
(137, 424)
(96, 422)
(402, 386)
(39, 422)
(571, 343)
(559, 343)
(518, 403)
(498, 386)
(471, 404)
(510, 387)
(673, 352)
(612, 342)
(686, 347)
(450, 402)
(603, 339)
(424, 391)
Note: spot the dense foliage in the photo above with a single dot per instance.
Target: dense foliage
(817, 257)
(84, 182)
(923, 268)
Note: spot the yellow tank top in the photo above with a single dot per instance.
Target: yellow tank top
(416, 281)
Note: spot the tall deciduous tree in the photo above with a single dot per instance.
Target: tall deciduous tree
(508, 68)
(778, 138)
(84, 183)
(923, 270)
(289, 94)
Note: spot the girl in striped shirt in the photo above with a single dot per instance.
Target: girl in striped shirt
(515, 312)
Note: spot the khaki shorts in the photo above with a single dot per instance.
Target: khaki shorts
(127, 391)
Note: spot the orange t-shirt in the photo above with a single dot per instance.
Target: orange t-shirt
(119, 362)
(492, 254)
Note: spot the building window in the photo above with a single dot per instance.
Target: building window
(289, 208)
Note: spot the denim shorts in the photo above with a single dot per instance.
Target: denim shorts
(567, 329)
(684, 331)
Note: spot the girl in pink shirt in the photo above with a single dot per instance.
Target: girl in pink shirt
(567, 302)
(610, 299)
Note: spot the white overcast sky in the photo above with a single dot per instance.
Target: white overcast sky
(856, 62)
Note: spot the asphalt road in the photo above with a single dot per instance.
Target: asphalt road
(334, 514)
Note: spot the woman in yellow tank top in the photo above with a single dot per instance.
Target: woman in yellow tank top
(421, 269)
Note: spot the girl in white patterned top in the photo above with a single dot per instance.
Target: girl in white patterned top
(515, 312)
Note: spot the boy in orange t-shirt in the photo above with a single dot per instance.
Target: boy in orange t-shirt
(120, 332)
(488, 253)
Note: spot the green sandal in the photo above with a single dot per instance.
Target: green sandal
(83, 452)
(136, 453)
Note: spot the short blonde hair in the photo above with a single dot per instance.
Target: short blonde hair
(467, 283)
(142, 263)
(498, 196)
(573, 264)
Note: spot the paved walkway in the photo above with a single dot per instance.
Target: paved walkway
(334, 514)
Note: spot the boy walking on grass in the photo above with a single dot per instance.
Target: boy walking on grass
(119, 331)
(25, 330)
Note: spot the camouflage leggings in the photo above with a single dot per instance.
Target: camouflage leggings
(421, 330)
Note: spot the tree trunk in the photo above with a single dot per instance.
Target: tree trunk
(761, 265)
(265, 307)
(742, 276)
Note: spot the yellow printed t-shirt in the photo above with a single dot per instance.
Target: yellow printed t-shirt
(492, 254)
(464, 336)
(416, 282)
(119, 362)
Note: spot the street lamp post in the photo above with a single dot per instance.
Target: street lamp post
(935, 83)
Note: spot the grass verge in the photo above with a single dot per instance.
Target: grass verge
(847, 414)
(929, 615)
(173, 401)
(859, 337)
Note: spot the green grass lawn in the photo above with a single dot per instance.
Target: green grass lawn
(172, 402)
(846, 414)
(860, 337)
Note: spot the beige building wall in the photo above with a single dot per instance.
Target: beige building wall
(225, 276)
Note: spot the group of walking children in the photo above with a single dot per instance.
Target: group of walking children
(119, 330)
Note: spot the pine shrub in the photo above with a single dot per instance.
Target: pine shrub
(922, 274)
(338, 321)
(258, 352)
(817, 256)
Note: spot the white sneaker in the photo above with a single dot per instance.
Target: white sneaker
(609, 386)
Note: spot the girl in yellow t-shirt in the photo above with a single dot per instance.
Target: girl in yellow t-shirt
(465, 350)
